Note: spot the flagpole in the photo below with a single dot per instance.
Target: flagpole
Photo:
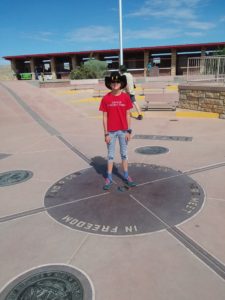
(121, 33)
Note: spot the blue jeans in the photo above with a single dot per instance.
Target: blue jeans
(121, 135)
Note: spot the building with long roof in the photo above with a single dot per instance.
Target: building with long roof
(170, 60)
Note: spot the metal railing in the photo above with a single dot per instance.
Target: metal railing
(206, 68)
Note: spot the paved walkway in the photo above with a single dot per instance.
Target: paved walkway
(164, 240)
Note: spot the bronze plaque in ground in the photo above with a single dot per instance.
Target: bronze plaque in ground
(162, 198)
(14, 177)
(58, 282)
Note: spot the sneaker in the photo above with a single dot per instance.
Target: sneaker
(129, 181)
(107, 185)
(139, 117)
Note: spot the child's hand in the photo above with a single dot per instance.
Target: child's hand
(107, 139)
(128, 137)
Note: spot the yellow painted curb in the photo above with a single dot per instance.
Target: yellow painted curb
(138, 88)
(134, 114)
(86, 100)
(68, 92)
(196, 114)
(139, 97)
(172, 88)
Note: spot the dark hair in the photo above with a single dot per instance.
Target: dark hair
(123, 68)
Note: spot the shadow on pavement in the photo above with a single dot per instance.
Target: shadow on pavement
(99, 163)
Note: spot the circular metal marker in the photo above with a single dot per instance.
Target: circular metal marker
(14, 177)
(49, 282)
(162, 198)
(152, 150)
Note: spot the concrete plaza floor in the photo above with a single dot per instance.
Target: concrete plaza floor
(55, 132)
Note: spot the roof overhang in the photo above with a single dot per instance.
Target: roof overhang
(184, 47)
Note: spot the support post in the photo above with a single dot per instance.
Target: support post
(120, 32)
(53, 68)
(173, 62)
(146, 61)
(32, 68)
(74, 62)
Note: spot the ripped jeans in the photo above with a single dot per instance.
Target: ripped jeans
(121, 135)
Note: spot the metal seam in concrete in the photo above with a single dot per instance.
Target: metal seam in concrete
(32, 113)
(163, 137)
(200, 252)
(207, 168)
(51, 130)
(22, 214)
(43, 209)
(75, 150)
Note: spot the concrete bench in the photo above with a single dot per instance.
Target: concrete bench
(84, 84)
(150, 87)
(160, 102)
(53, 83)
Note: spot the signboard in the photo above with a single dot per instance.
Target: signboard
(156, 60)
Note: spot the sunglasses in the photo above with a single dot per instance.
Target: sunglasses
(115, 81)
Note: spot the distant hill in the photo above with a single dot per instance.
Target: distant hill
(6, 72)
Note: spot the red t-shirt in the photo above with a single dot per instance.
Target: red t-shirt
(116, 108)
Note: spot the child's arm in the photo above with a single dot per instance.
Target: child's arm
(107, 138)
(128, 135)
(128, 118)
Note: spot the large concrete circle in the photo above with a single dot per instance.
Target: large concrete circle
(162, 198)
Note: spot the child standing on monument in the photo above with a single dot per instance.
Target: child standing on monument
(116, 107)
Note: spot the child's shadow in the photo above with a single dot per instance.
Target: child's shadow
(100, 165)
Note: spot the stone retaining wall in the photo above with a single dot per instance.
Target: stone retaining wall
(203, 98)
